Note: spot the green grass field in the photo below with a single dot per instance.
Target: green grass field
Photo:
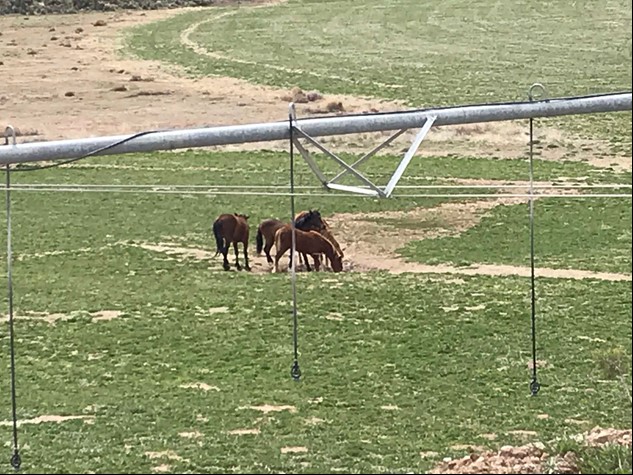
(445, 53)
(394, 365)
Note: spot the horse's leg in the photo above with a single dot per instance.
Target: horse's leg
(267, 249)
(326, 262)
(317, 261)
(225, 251)
(280, 252)
(237, 261)
(305, 259)
(246, 266)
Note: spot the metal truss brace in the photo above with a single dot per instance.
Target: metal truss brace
(428, 123)
(370, 188)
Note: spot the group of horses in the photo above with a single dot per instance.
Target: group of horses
(313, 237)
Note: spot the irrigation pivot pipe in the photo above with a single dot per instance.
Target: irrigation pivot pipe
(340, 125)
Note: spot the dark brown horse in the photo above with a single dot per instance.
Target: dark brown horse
(230, 229)
(306, 220)
(306, 242)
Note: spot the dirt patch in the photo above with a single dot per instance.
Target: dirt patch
(540, 364)
(172, 249)
(176, 251)
(164, 468)
(203, 386)
(166, 454)
(50, 418)
(214, 310)
(428, 454)
(253, 431)
(469, 448)
(106, 315)
(523, 433)
(335, 316)
(530, 458)
(598, 437)
(313, 421)
(50, 318)
(266, 408)
(88, 65)
(370, 240)
(84, 59)
(191, 435)
(62, 252)
(53, 318)
(576, 422)
(524, 459)
(294, 450)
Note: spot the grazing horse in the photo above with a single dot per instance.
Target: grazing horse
(325, 231)
(306, 242)
(330, 237)
(306, 220)
(231, 228)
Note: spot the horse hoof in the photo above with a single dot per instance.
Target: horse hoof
(247, 268)
(238, 267)
(226, 267)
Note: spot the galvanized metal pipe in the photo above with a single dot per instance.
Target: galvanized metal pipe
(266, 132)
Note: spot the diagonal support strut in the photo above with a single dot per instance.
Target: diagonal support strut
(428, 123)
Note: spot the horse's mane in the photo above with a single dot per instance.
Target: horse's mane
(307, 217)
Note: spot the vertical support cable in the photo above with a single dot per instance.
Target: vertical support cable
(534, 384)
(16, 461)
(295, 371)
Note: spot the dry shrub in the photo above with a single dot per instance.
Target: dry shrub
(335, 107)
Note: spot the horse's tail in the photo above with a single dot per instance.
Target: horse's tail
(259, 239)
(219, 240)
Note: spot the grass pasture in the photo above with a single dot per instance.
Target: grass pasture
(447, 53)
(393, 365)
(162, 362)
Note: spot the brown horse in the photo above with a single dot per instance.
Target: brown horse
(325, 231)
(306, 242)
(231, 228)
(306, 220)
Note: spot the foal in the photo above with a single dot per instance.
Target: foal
(231, 228)
(306, 242)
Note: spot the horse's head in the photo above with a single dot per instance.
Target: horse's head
(337, 262)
